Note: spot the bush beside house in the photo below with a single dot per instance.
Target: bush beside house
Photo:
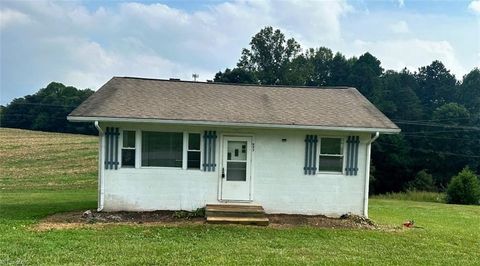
(464, 188)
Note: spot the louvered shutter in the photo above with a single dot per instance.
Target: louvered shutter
(352, 155)
(111, 148)
(209, 142)
(310, 167)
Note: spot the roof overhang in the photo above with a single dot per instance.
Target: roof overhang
(230, 124)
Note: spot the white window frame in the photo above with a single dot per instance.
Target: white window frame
(139, 142)
(343, 149)
(121, 148)
(186, 150)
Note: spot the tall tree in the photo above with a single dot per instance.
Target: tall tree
(397, 98)
(454, 140)
(321, 59)
(340, 69)
(469, 91)
(268, 56)
(365, 74)
(437, 86)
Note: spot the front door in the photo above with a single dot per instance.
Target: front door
(236, 172)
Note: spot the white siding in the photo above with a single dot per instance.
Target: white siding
(278, 181)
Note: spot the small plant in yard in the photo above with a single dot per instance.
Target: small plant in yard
(464, 188)
(200, 212)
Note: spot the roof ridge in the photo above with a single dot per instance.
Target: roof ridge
(242, 84)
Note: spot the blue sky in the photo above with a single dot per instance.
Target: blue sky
(85, 43)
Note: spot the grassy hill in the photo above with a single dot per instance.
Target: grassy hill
(33, 160)
(46, 173)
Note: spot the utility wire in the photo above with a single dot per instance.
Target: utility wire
(437, 131)
(432, 120)
(430, 137)
(46, 104)
(437, 152)
(438, 125)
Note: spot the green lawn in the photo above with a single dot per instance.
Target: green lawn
(450, 234)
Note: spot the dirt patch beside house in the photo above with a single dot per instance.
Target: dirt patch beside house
(92, 219)
(345, 221)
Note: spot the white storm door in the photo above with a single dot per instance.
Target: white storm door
(236, 168)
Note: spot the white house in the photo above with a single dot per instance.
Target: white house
(179, 145)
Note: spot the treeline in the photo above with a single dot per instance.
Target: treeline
(47, 110)
(439, 115)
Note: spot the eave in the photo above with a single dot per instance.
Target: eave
(231, 124)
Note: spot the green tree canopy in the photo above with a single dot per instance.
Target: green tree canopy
(434, 110)
(268, 56)
(47, 110)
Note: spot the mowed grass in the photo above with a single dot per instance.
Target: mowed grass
(449, 234)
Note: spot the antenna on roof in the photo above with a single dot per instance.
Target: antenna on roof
(195, 76)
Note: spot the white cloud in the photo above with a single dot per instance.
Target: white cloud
(475, 6)
(11, 16)
(412, 53)
(83, 46)
(401, 3)
(94, 64)
(400, 27)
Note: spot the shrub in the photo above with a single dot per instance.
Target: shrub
(200, 212)
(423, 182)
(464, 188)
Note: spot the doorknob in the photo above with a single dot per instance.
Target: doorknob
(223, 172)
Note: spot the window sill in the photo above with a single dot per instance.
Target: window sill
(163, 168)
(331, 173)
(160, 167)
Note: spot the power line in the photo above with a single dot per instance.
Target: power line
(438, 125)
(430, 137)
(439, 131)
(437, 152)
(432, 120)
(45, 104)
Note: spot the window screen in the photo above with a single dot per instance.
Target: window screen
(193, 152)
(331, 155)
(163, 149)
(128, 149)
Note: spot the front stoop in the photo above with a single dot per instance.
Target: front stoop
(236, 213)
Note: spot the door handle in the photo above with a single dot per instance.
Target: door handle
(223, 172)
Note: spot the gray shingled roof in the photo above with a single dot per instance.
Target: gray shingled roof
(137, 98)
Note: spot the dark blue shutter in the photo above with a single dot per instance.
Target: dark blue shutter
(111, 148)
(352, 155)
(209, 141)
(310, 167)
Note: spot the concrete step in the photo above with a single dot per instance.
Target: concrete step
(238, 220)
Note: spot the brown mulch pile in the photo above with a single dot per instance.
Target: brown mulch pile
(100, 219)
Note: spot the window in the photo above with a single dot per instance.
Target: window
(163, 149)
(331, 155)
(128, 149)
(193, 151)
